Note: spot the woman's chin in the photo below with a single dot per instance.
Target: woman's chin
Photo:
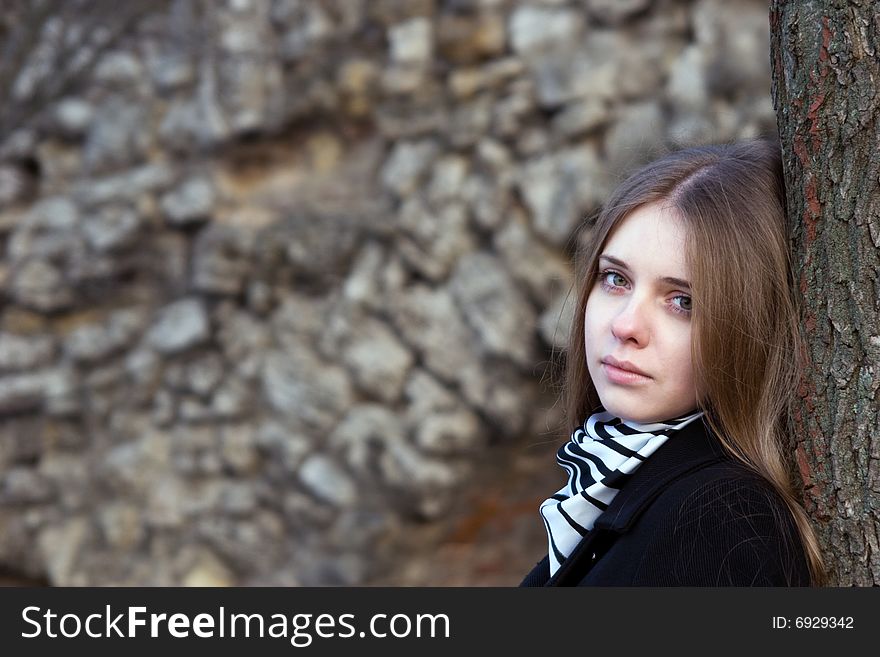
(634, 410)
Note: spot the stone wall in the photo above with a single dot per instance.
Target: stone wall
(281, 273)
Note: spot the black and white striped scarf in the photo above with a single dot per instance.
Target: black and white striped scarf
(600, 456)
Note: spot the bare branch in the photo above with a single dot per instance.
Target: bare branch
(61, 41)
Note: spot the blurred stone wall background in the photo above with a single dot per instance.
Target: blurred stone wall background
(282, 276)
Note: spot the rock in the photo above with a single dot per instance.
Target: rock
(116, 137)
(447, 176)
(73, 116)
(327, 481)
(250, 89)
(306, 25)
(488, 199)
(315, 247)
(112, 228)
(468, 39)
(195, 123)
(40, 285)
(426, 395)
(118, 67)
(467, 81)
(238, 445)
(191, 202)
(616, 12)
(208, 571)
(494, 154)
(243, 339)
(195, 411)
(121, 525)
(686, 88)
(48, 230)
(541, 270)
(412, 42)
(246, 35)
(371, 436)
(232, 400)
(179, 326)
(171, 70)
(124, 186)
(164, 410)
(300, 386)
(142, 365)
(399, 120)
(238, 499)
(167, 500)
(366, 529)
(534, 28)
(49, 256)
(533, 141)
(455, 432)
(501, 319)
(239, 539)
(406, 164)
(588, 72)
(431, 242)
(357, 79)
(496, 388)
(367, 283)
(559, 189)
(470, 121)
(430, 321)
(643, 64)
(126, 467)
(203, 374)
(61, 392)
(282, 446)
(17, 185)
(59, 547)
(23, 485)
(513, 110)
(377, 359)
(104, 377)
(20, 143)
(636, 136)
(728, 34)
(691, 128)
(198, 121)
(25, 352)
(94, 342)
(222, 259)
(581, 116)
(345, 569)
(300, 319)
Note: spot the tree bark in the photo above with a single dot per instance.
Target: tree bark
(825, 58)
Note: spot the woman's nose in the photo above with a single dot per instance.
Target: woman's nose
(631, 322)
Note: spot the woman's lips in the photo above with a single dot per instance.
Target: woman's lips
(623, 377)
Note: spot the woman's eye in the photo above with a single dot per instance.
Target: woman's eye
(614, 279)
(686, 303)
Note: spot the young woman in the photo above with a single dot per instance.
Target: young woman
(683, 358)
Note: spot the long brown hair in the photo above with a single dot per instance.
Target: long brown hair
(747, 349)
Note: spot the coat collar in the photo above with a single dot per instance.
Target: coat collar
(688, 449)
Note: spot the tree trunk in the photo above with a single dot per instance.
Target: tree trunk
(825, 59)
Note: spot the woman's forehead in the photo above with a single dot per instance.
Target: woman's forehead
(651, 237)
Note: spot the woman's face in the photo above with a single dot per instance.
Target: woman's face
(638, 316)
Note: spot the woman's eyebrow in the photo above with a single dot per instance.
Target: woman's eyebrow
(680, 282)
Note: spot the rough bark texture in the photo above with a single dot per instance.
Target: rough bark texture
(826, 72)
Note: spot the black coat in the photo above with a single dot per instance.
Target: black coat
(689, 516)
